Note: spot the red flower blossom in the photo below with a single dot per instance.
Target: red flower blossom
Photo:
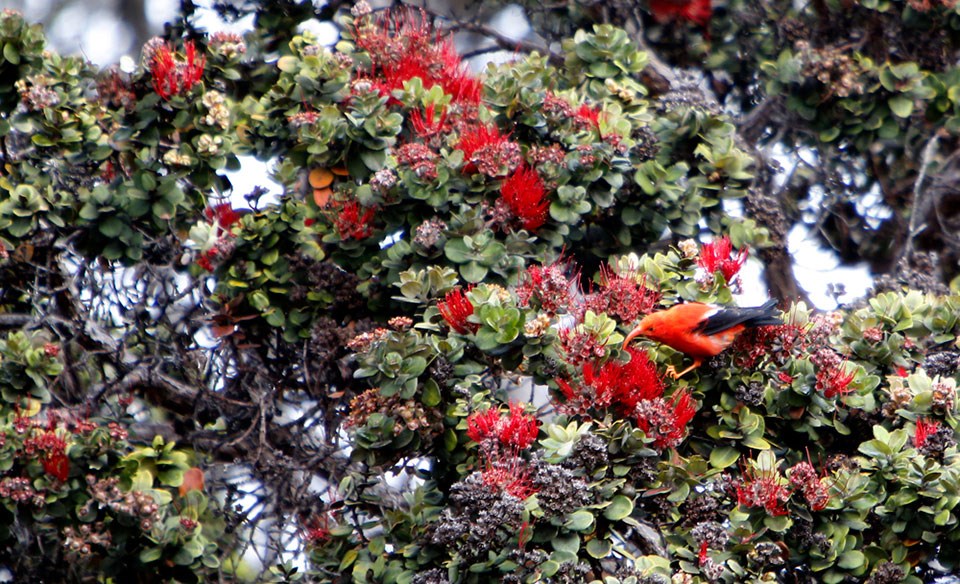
(622, 296)
(509, 473)
(351, 224)
(223, 215)
(487, 151)
(483, 425)
(405, 69)
(778, 341)
(525, 195)
(702, 557)
(695, 11)
(624, 385)
(517, 430)
(402, 44)
(173, 76)
(427, 124)
(455, 308)
(805, 479)
(666, 422)
(52, 452)
(763, 488)
(317, 530)
(587, 116)
(833, 380)
(925, 428)
(553, 287)
(57, 466)
(716, 255)
(785, 378)
(462, 86)
(526, 532)
(579, 346)
(476, 138)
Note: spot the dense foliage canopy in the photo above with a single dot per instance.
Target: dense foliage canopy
(409, 367)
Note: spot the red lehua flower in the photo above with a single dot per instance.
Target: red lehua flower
(664, 421)
(834, 380)
(403, 45)
(925, 428)
(454, 77)
(172, 76)
(785, 378)
(351, 224)
(224, 215)
(426, 124)
(483, 425)
(408, 67)
(624, 385)
(519, 429)
(622, 296)
(477, 138)
(526, 532)
(763, 488)
(565, 388)
(578, 347)
(464, 87)
(525, 195)
(317, 531)
(702, 557)
(587, 116)
(507, 472)
(695, 11)
(455, 308)
(550, 285)
(205, 261)
(57, 466)
(902, 372)
(108, 171)
(52, 450)
(804, 478)
(392, 32)
(716, 256)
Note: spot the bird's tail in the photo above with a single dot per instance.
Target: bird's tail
(766, 314)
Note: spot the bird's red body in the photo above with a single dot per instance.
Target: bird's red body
(701, 330)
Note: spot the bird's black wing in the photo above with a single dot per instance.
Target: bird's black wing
(726, 318)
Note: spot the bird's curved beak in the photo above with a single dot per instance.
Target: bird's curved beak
(633, 334)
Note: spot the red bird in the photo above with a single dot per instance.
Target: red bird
(702, 330)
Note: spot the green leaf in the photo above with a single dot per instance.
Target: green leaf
(581, 520)
(11, 54)
(567, 543)
(431, 394)
(723, 457)
(288, 64)
(756, 443)
(349, 557)
(852, 560)
(599, 548)
(151, 554)
(901, 106)
(620, 507)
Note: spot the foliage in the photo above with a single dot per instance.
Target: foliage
(410, 364)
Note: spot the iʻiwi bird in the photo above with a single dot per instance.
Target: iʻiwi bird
(702, 330)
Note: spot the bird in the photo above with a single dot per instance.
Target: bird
(701, 330)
